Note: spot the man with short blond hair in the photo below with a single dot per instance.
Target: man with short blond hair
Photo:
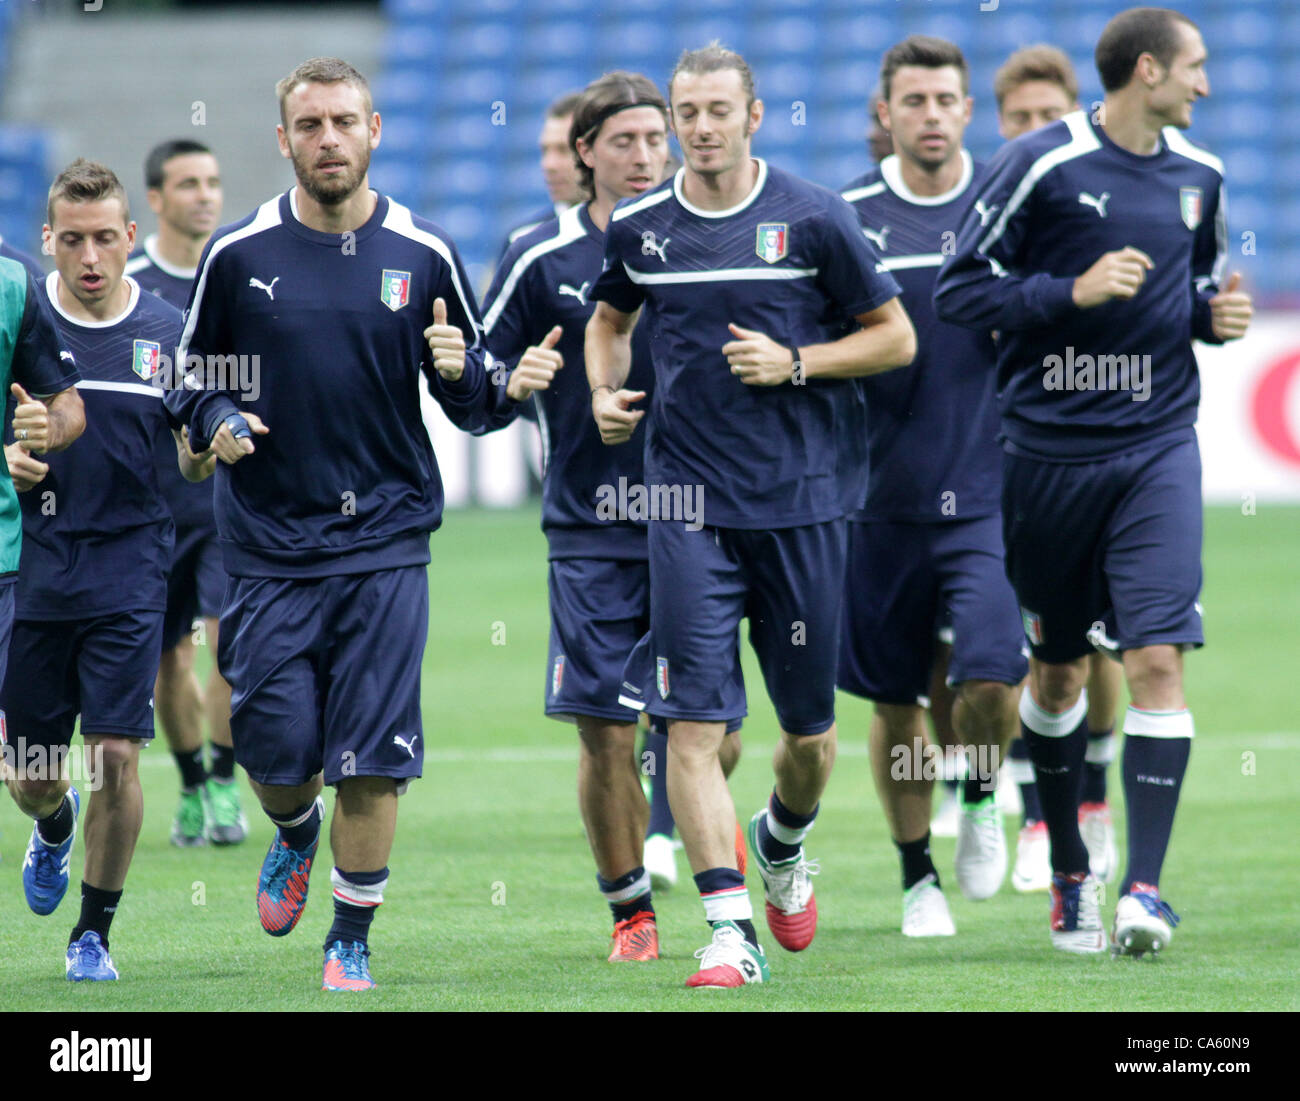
(750, 278)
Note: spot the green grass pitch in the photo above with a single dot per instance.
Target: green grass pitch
(492, 902)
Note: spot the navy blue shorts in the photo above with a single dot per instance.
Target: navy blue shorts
(196, 584)
(325, 674)
(1116, 541)
(600, 608)
(788, 582)
(638, 692)
(102, 669)
(901, 580)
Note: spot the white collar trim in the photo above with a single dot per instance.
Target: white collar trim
(891, 171)
(52, 290)
(755, 191)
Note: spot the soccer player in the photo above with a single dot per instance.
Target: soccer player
(183, 184)
(1034, 87)
(750, 278)
(926, 540)
(559, 169)
(327, 491)
(535, 316)
(1096, 250)
(93, 580)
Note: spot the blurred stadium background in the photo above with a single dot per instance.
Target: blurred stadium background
(462, 86)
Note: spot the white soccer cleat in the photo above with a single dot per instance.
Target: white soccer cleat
(945, 820)
(1143, 923)
(729, 960)
(1033, 870)
(1099, 838)
(660, 862)
(925, 911)
(981, 861)
(1076, 913)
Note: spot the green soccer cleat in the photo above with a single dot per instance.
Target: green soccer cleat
(227, 824)
(190, 826)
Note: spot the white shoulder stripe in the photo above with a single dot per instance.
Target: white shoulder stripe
(1179, 144)
(569, 229)
(122, 387)
(863, 192)
(398, 219)
(918, 260)
(267, 217)
(650, 200)
(1082, 141)
(720, 275)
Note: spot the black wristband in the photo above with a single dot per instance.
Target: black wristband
(796, 363)
(595, 389)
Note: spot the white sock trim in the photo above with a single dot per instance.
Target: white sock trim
(1049, 723)
(785, 834)
(1159, 724)
(368, 895)
(635, 890)
(290, 823)
(1101, 751)
(730, 905)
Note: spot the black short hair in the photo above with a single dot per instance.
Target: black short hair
(161, 153)
(1133, 33)
(927, 52)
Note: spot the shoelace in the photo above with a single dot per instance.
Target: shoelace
(796, 887)
(353, 961)
(988, 832)
(285, 864)
(1158, 907)
(90, 953)
(722, 941)
(47, 865)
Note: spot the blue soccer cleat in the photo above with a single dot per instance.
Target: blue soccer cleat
(45, 867)
(88, 960)
(347, 967)
(282, 885)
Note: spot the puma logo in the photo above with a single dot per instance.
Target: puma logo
(650, 248)
(268, 287)
(877, 236)
(1099, 204)
(580, 293)
(986, 212)
(408, 746)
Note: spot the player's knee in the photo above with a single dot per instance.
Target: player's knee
(900, 722)
(810, 749)
(113, 760)
(37, 797)
(1153, 670)
(693, 742)
(990, 700)
(1057, 687)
